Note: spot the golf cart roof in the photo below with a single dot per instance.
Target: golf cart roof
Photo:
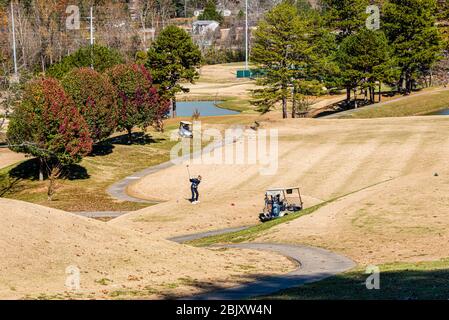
(281, 189)
(186, 122)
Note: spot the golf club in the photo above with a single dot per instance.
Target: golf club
(187, 166)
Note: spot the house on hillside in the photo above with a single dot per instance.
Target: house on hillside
(204, 32)
(202, 27)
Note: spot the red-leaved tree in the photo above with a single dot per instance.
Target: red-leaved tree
(94, 96)
(138, 101)
(47, 125)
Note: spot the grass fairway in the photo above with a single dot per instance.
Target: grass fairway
(256, 231)
(398, 281)
(219, 83)
(84, 187)
(252, 232)
(417, 104)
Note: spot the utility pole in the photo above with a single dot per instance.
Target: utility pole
(246, 34)
(14, 41)
(91, 26)
(91, 18)
(185, 8)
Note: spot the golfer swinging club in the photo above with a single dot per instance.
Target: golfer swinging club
(194, 187)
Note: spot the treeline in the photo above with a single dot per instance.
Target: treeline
(305, 52)
(43, 39)
(60, 120)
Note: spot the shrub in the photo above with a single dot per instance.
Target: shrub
(101, 58)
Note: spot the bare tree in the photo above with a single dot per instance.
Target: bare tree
(145, 10)
(166, 11)
(54, 172)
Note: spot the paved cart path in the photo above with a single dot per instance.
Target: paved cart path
(118, 189)
(314, 264)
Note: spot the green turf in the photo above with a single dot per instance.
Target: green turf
(398, 281)
(84, 185)
(252, 232)
(236, 104)
(419, 104)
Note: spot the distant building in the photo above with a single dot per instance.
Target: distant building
(201, 27)
(224, 12)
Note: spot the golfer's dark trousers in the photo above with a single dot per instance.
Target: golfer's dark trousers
(194, 194)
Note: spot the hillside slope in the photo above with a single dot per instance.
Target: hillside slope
(37, 244)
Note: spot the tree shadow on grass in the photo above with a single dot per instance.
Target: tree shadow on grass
(75, 172)
(138, 138)
(203, 287)
(402, 284)
(341, 106)
(107, 146)
(29, 170)
(101, 149)
(394, 285)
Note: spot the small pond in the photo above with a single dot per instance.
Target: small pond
(206, 108)
(444, 112)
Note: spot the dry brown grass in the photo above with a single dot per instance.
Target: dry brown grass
(38, 244)
(326, 158)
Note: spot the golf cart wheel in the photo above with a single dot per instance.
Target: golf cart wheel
(294, 208)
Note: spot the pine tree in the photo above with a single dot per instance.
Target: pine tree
(411, 29)
(173, 58)
(281, 50)
(210, 12)
(346, 17)
(364, 58)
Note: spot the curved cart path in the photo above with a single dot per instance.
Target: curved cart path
(118, 189)
(314, 264)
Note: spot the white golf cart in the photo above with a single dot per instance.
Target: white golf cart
(185, 129)
(280, 202)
